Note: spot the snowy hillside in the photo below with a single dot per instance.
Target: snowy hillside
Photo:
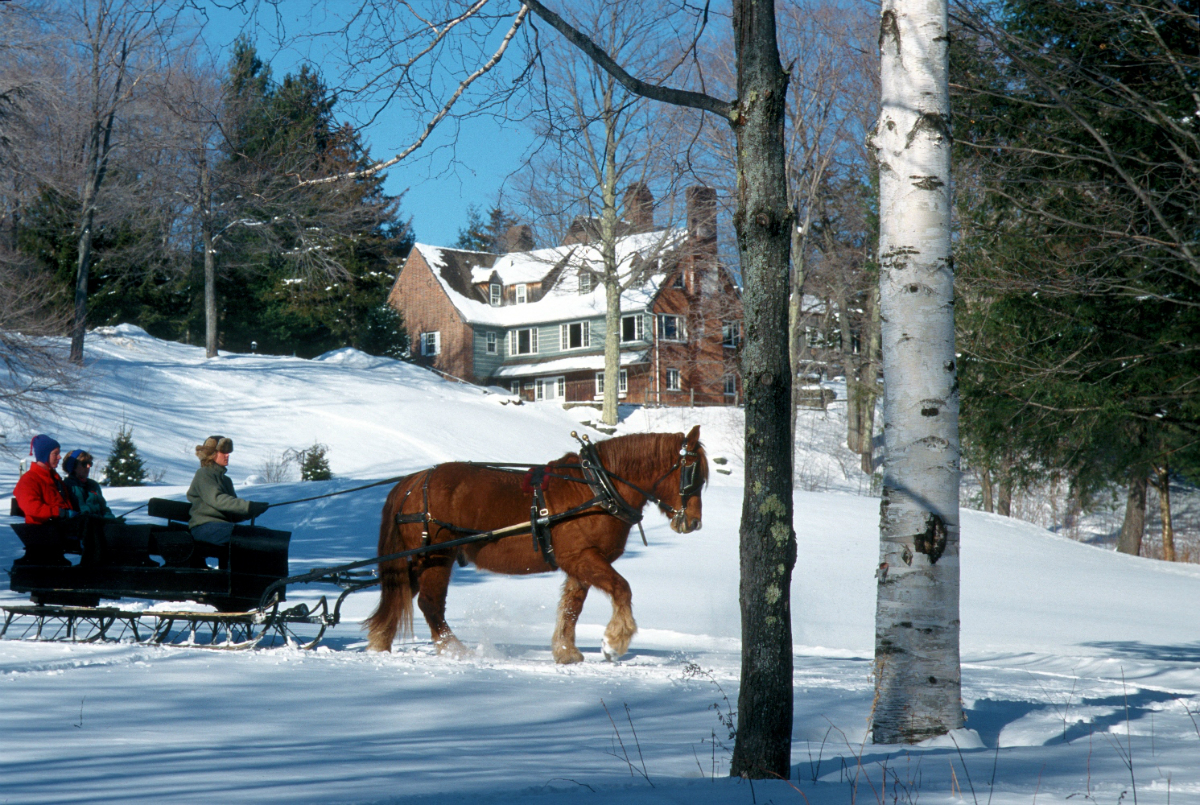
(1080, 674)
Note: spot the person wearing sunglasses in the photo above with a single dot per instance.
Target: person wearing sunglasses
(83, 491)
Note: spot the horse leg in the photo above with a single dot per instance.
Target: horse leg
(569, 606)
(593, 570)
(433, 584)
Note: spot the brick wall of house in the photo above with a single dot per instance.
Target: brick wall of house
(421, 300)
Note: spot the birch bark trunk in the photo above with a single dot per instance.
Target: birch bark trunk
(917, 672)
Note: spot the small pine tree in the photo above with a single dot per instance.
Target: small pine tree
(314, 466)
(125, 467)
(383, 333)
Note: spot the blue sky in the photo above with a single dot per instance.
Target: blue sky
(464, 162)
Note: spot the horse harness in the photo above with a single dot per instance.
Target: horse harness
(605, 497)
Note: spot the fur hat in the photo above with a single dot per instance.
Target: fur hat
(41, 447)
(213, 445)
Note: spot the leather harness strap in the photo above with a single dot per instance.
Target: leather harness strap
(537, 477)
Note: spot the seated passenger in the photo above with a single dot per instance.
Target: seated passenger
(85, 493)
(215, 506)
(40, 492)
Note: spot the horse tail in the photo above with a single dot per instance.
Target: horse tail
(395, 610)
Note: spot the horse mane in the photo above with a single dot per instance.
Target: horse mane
(646, 454)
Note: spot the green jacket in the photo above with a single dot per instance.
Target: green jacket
(87, 497)
(213, 499)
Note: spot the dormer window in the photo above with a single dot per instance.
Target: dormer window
(495, 294)
(522, 292)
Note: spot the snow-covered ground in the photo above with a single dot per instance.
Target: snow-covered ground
(1080, 666)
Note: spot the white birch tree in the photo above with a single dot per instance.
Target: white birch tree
(917, 672)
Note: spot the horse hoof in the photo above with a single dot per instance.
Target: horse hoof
(452, 648)
(567, 656)
(610, 653)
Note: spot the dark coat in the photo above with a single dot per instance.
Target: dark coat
(87, 497)
(213, 499)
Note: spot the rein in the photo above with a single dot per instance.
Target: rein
(599, 479)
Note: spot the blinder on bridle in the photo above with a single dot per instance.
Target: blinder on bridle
(690, 482)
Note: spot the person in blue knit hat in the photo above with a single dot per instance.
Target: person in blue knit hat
(83, 491)
(40, 492)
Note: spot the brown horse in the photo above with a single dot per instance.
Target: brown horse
(457, 499)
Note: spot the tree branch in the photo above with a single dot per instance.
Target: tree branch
(669, 95)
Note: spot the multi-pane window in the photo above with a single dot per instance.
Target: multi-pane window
(495, 294)
(431, 343)
(671, 328)
(674, 382)
(585, 282)
(622, 382)
(730, 386)
(731, 334)
(523, 341)
(522, 291)
(576, 335)
(631, 328)
(515, 387)
(490, 339)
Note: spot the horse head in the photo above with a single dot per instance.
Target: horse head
(681, 500)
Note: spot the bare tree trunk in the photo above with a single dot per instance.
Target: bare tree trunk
(210, 259)
(1004, 494)
(797, 248)
(917, 672)
(768, 542)
(79, 319)
(612, 280)
(1162, 482)
(1134, 526)
(861, 387)
(985, 484)
(96, 153)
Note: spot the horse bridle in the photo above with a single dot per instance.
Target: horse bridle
(690, 482)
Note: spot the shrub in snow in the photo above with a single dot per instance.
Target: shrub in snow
(314, 466)
(125, 467)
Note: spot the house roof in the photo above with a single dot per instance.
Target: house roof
(577, 363)
(559, 267)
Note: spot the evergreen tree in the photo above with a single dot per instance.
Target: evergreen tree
(383, 333)
(314, 466)
(489, 235)
(1078, 317)
(125, 467)
(321, 256)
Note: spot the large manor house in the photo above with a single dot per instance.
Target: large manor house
(532, 321)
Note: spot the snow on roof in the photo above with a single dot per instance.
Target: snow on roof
(562, 302)
(578, 363)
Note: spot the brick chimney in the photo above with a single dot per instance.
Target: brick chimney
(702, 238)
(702, 213)
(518, 238)
(639, 208)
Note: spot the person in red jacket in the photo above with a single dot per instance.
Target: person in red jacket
(40, 492)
